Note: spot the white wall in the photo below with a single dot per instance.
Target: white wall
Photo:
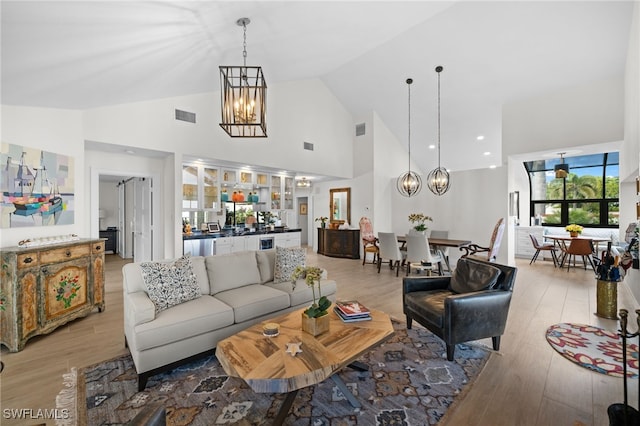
(572, 117)
(300, 111)
(631, 148)
(52, 130)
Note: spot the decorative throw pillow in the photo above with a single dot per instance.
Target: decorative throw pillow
(170, 283)
(473, 276)
(287, 259)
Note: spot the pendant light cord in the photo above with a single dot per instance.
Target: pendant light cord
(409, 81)
(438, 70)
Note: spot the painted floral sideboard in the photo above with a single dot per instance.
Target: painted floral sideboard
(45, 287)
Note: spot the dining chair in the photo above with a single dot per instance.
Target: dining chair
(579, 247)
(389, 250)
(543, 247)
(420, 257)
(369, 240)
(494, 244)
(443, 252)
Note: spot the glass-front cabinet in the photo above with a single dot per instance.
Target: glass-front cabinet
(233, 196)
(200, 194)
(276, 192)
(288, 193)
(189, 187)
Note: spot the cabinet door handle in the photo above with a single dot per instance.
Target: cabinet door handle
(45, 271)
(68, 253)
(28, 260)
(98, 247)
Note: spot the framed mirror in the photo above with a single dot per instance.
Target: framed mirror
(340, 205)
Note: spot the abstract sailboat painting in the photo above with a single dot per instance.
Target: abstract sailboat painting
(37, 187)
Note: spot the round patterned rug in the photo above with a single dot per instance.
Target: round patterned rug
(594, 348)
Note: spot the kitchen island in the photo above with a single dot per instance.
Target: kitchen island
(200, 243)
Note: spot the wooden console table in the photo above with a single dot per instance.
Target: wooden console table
(339, 242)
(47, 286)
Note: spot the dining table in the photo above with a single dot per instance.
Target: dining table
(561, 242)
(436, 243)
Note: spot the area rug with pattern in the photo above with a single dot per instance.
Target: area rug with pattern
(594, 348)
(409, 382)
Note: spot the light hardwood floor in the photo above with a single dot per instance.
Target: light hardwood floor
(526, 383)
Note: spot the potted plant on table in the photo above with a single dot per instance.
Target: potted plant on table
(574, 230)
(315, 319)
(323, 221)
(419, 222)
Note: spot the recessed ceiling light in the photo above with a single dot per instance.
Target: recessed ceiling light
(128, 151)
(432, 146)
(493, 166)
(486, 153)
(480, 138)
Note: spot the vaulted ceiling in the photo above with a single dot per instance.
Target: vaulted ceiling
(83, 54)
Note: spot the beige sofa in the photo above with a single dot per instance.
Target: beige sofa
(237, 290)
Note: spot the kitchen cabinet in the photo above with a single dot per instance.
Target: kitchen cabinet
(47, 286)
(287, 239)
(222, 245)
(111, 243)
(524, 247)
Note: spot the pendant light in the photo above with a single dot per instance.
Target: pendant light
(409, 183)
(244, 97)
(438, 179)
(561, 170)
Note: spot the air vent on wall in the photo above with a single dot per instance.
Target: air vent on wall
(360, 129)
(186, 116)
(308, 146)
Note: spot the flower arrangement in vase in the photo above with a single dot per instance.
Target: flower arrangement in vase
(574, 230)
(419, 221)
(315, 319)
(323, 221)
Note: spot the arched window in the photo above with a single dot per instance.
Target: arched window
(588, 196)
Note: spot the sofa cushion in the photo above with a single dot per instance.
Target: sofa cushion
(473, 276)
(170, 283)
(186, 320)
(200, 271)
(287, 259)
(428, 305)
(302, 293)
(233, 270)
(254, 301)
(266, 263)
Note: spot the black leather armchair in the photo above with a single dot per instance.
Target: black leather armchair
(471, 304)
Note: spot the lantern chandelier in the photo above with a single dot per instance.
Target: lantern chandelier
(409, 183)
(244, 96)
(438, 179)
(561, 170)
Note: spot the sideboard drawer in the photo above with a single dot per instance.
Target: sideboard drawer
(27, 260)
(65, 253)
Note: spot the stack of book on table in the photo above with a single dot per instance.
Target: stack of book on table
(352, 311)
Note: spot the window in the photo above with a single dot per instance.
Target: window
(588, 196)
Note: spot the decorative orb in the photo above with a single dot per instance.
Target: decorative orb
(409, 184)
(438, 181)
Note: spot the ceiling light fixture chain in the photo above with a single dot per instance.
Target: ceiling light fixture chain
(244, 22)
(409, 183)
(438, 179)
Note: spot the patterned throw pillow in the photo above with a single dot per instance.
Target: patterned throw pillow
(170, 283)
(287, 259)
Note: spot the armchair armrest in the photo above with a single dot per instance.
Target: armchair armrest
(138, 309)
(482, 313)
(411, 284)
